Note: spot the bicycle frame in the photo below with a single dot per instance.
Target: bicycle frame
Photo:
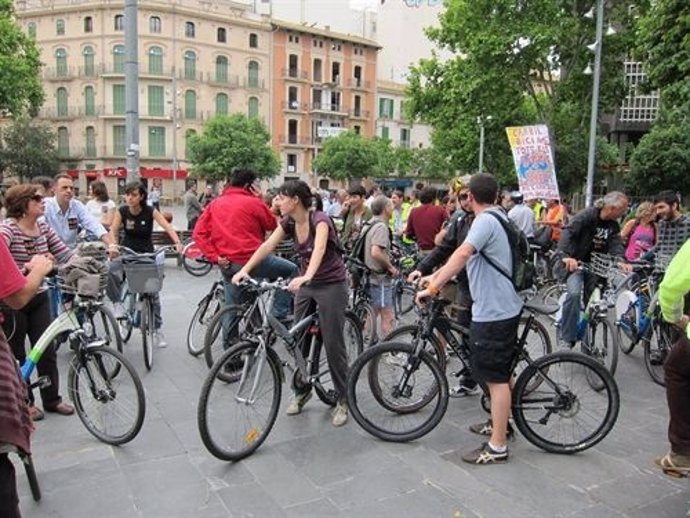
(67, 321)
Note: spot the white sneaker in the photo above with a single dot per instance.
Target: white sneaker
(159, 339)
(297, 402)
(339, 414)
(119, 311)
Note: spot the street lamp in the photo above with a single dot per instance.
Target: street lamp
(481, 120)
(595, 99)
(174, 109)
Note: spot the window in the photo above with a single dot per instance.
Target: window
(60, 62)
(293, 103)
(404, 137)
(156, 101)
(61, 96)
(88, 24)
(190, 65)
(357, 129)
(221, 35)
(292, 38)
(90, 150)
(31, 29)
(221, 104)
(253, 41)
(291, 163)
(119, 141)
(292, 131)
(156, 141)
(119, 22)
(358, 75)
(62, 142)
(89, 68)
(385, 133)
(335, 72)
(187, 138)
(119, 59)
(253, 108)
(189, 30)
(60, 27)
(155, 24)
(253, 74)
(386, 108)
(293, 65)
(402, 109)
(190, 104)
(89, 101)
(118, 99)
(358, 106)
(222, 69)
(156, 60)
(318, 70)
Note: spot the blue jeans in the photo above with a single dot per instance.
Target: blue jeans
(570, 313)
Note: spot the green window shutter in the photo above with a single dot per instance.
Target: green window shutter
(119, 59)
(89, 101)
(90, 142)
(119, 145)
(253, 74)
(156, 101)
(382, 107)
(385, 133)
(118, 99)
(89, 68)
(221, 69)
(62, 108)
(189, 65)
(221, 104)
(156, 141)
(62, 142)
(190, 104)
(253, 108)
(156, 60)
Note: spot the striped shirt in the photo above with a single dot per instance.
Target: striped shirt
(23, 247)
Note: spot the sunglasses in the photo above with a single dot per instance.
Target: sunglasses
(463, 196)
(37, 197)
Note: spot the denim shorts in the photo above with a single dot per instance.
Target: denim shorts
(381, 296)
(493, 348)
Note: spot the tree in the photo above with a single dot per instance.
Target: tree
(20, 64)
(519, 63)
(232, 141)
(350, 155)
(27, 149)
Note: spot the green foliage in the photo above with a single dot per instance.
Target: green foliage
(20, 64)
(662, 158)
(664, 44)
(350, 155)
(232, 141)
(27, 149)
(520, 63)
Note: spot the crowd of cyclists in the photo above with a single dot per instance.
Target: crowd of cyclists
(463, 254)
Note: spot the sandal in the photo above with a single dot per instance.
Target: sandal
(35, 413)
(669, 467)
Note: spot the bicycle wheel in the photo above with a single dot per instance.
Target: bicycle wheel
(404, 378)
(367, 322)
(192, 260)
(407, 334)
(234, 419)
(599, 344)
(403, 299)
(112, 407)
(147, 326)
(626, 321)
(230, 325)
(657, 349)
(565, 414)
(538, 344)
(206, 310)
(31, 477)
(103, 327)
(324, 388)
(126, 324)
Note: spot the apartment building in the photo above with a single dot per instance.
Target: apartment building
(392, 122)
(323, 82)
(197, 59)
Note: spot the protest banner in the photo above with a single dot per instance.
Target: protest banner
(533, 157)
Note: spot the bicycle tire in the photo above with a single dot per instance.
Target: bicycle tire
(116, 395)
(626, 323)
(532, 411)
(218, 427)
(408, 333)
(364, 406)
(403, 299)
(109, 330)
(126, 324)
(196, 332)
(217, 340)
(367, 322)
(606, 352)
(31, 477)
(535, 349)
(657, 349)
(325, 390)
(191, 265)
(146, 325)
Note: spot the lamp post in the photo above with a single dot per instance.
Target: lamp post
(595, 102)
(175, 123)
(480, 121)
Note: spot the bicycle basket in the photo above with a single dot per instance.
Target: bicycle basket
(661, 262)
(91, 285)
(605, 266)
(144, 277)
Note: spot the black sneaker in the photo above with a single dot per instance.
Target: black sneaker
(486, 428)
(485, 454)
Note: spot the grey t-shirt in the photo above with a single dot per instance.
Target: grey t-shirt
(378, 235)
(493, 294)
(523, 217)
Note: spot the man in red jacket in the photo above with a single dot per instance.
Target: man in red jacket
(230, 230)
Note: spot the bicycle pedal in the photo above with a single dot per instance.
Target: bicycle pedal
(41, 383)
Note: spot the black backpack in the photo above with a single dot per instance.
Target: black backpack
(523, 273)
(359, 246)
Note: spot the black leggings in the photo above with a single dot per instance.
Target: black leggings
(9, 499)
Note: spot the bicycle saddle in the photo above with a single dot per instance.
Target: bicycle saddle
(542, 309)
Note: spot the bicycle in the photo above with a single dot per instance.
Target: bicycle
(235, 418)
(193, 260)
(144, 274)
(552, 396)
(103, 386)
(206, 309)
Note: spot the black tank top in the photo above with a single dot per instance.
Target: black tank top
(137, 229)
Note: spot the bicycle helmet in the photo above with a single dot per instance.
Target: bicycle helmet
(516, 197)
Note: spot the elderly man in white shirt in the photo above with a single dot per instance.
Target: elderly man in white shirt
(522, 215)
(67, 216)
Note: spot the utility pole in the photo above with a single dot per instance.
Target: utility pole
(480, 120)
(595, 103)
(132, 89)
(174, 132)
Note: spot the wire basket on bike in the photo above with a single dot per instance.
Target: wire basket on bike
(143, 276)
(606, 266)
(90, 285)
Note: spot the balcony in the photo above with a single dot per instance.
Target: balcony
(227, 81)
(110, 69)
(295, 106)
(333, 109)
(358, 113)
(68, 113)
(294, 73)
(190, 75)
(59, 73)
(253, 84)
(294, 140)
(359, 83)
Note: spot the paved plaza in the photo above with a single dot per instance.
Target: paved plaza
(308, 468)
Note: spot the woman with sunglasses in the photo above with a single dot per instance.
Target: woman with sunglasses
(26, 235)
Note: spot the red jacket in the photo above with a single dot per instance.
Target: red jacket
(233, 226)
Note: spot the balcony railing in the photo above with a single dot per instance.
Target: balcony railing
(59, 73)
(70, 112)
(228, 81)
(294, 73)
(294, 140)
(358, 82)
(330, 108)
(295, 106)
(359, 113)
(252, 84)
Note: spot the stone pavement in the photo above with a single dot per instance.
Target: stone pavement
(308, 468)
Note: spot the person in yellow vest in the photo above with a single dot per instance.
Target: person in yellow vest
(401, 210)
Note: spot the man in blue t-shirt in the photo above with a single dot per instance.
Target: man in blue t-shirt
(495, 313)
